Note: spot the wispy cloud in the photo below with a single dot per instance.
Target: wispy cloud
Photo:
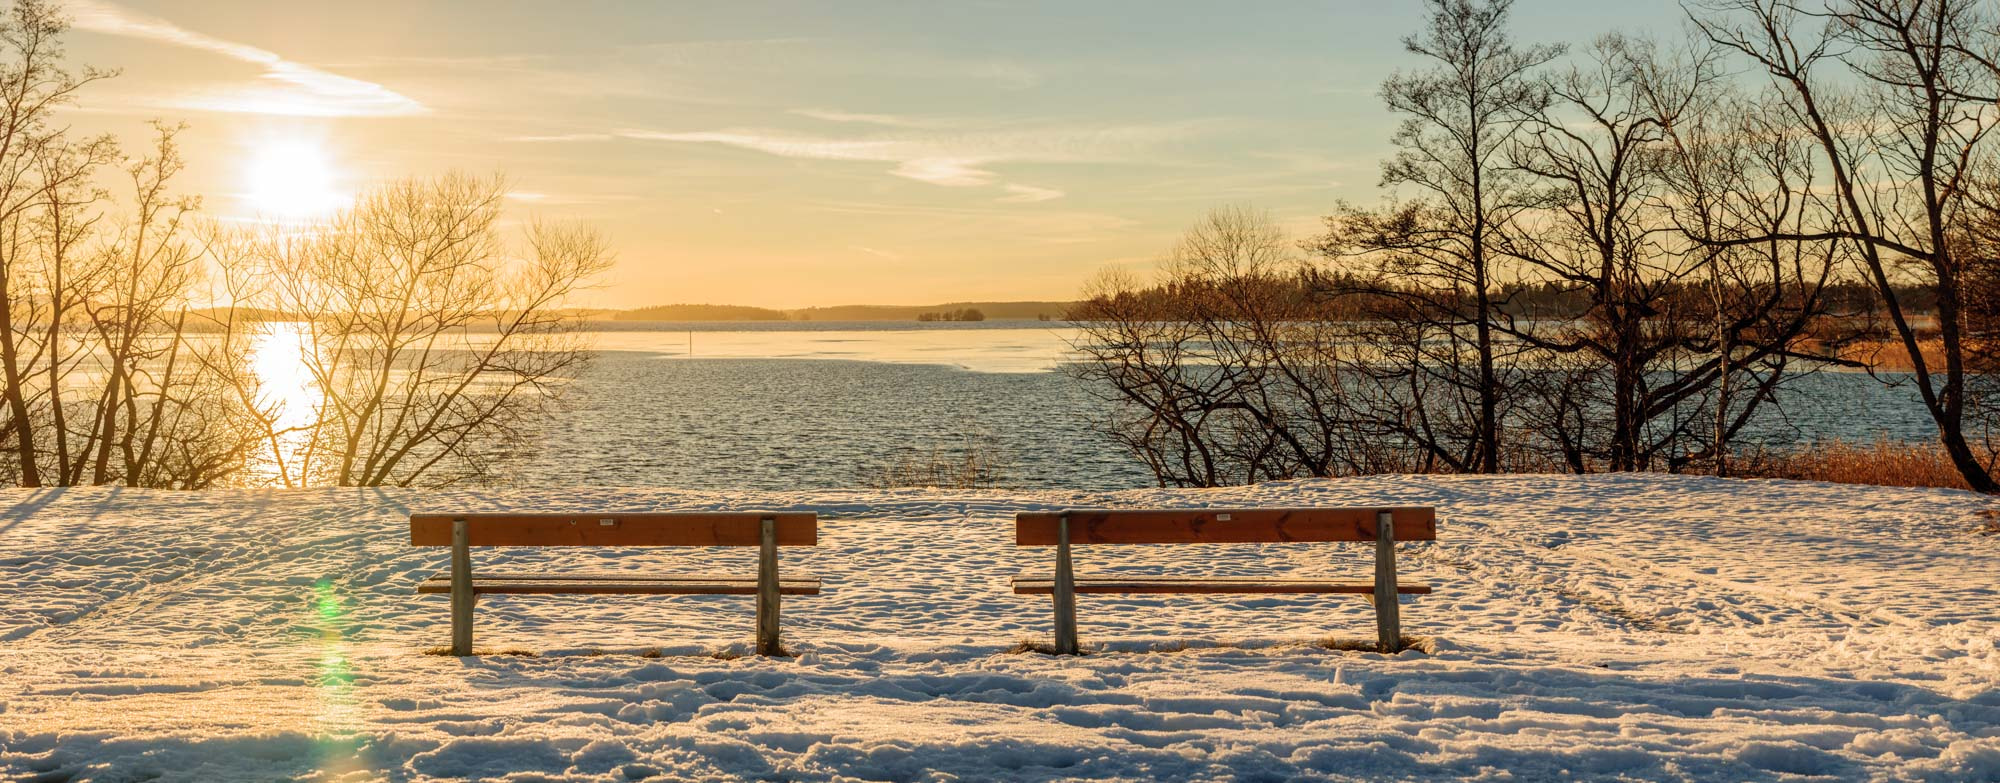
(286, 87)
(779, 144)
(1009, 75)
(949, 172)
(865, 118)
(1029, 194)
(881, 254)
(540, 198)
(917, 160)
(947, 158)
(565, 137)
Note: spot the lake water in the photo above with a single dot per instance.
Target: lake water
(797, 405)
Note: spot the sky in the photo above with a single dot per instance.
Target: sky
(793, 154)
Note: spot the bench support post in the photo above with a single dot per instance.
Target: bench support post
(1388, 615)
(767, 589)
(461, 589)
(1065, 592)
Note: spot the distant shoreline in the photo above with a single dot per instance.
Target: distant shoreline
(948, 312)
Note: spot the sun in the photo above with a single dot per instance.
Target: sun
(292, 179)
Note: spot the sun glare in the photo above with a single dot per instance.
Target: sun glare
(292, 179)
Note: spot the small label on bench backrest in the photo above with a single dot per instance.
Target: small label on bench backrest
(607, 522)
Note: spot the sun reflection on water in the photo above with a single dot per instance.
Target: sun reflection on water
(286, 390)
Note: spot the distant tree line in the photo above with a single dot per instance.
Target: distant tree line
(993, 310)
(137, 340)
(1603, 259)
(1522, 300)
(700, 312)
(965, 314)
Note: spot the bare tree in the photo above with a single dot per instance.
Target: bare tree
(1902, 138)
(1771, 307)
(430, 349)
(97, 370)
(162, 421)
(1624, 340)
(39, 164)
(1978, 240)
(1229, 369)
(1667, 332)
(1439, 247)
(1597, 146)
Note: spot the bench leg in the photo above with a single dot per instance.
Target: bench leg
(1065, 592)
(1388, 617)
(461, 589)
(767, 589)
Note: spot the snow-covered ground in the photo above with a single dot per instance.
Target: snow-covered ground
(1610, 627)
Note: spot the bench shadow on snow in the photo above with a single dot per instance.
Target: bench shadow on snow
(1442, 721)
(1152, 737)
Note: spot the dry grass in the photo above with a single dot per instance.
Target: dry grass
(978, 462)
(1891, 355)
(1882, 463)
(1422, 644)
(1035, 646)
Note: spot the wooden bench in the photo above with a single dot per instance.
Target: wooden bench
(1061, 529)
(766, 530)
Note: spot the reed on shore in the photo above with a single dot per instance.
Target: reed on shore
(1883, 463)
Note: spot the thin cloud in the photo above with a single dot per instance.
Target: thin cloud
(881, 254)
(782, 145)
(560, 137)
(287, 87)
(1029, 194)
(865, 118)
(949, 172)
(557, 199)
(914, 160)
(957, 159)
(1009, 75)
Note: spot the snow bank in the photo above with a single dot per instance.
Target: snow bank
(1605, 628)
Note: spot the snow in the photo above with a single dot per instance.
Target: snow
(1598, 628)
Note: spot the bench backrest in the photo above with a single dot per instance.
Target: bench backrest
(1221, 526)
(699, 528)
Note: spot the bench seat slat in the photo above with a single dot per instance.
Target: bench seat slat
(1035, 584)
(595, 584)
(586, 576)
